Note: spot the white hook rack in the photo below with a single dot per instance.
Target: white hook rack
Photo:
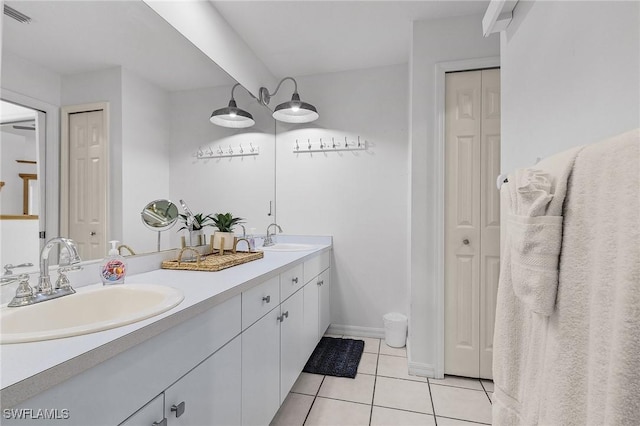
(323, 146)
(239, 151)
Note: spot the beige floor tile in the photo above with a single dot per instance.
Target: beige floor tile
(338, 413)
(395, 366)
(402, 394)
(459, 403)
(307, 383)
(461, 382)
(368, 363)
(444, 421)
(371, 345)
(388, 350)
(359, 389)
(390, 417)
(293, 410)
(488, 385)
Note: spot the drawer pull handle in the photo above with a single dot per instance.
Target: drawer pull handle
(321, 282)
(266, 299)
(286, 314)
(162, 422)
(295, 280)
(178, 409)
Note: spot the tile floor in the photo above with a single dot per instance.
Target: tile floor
(383, 393)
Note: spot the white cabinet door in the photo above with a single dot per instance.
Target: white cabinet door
(150, 414)
(324, 305)
(261, 370)
(210, 393)
(310, 292)
(292, 353)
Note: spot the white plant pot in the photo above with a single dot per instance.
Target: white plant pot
(196, 238)
(228, 239)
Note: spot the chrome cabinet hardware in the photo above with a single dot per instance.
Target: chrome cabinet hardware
(283, 316)
(92, 233)
(295, 280)
(162, 422)
(465, 242)
(266, 299)
(321, 282)
(178, 409)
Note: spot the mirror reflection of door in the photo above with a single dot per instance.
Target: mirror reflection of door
(21, 199)
(85, 177)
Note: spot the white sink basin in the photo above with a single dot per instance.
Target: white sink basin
(97, 309)
(289, 247)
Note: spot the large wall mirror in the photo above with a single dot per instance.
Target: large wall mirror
(156, 91)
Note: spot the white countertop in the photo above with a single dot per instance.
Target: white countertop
(30, 368)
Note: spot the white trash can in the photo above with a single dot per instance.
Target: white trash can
(395, 329)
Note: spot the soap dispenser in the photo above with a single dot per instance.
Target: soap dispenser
(114, 266)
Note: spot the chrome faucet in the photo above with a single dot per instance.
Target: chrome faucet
(26, 295)
(268, 241)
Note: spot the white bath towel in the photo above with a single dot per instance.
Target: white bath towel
(581, 364)
(528, 283)
(591, 373)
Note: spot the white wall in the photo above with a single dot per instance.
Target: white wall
(242, 186)
(30, 79)
(570, 76)
(145, 157)
(358, 197)
(433, 42)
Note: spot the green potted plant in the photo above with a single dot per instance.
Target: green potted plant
(225, 222)
(199, 221)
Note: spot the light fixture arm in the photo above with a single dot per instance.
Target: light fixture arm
(265, 96)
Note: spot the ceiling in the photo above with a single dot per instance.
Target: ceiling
(310, 37)
(291, 37)
(71, 37)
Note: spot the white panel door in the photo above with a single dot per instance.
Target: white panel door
(489, 215)
(324, 284)
(472, 219)
(292, 352)
(211, 392)
(88, 183)
(261, 370)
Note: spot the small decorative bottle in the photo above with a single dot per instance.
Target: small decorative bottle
(114, 266)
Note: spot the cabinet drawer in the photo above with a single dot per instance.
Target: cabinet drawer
(291, 281)
(256, 302)
(314, 266)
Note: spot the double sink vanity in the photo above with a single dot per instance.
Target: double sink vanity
(170, 347)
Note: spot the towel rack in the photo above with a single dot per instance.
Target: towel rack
(240, 151)
(330, 146)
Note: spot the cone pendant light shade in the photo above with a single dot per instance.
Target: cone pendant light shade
(295, 111)
(232, 116)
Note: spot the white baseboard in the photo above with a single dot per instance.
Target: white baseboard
(352, 330)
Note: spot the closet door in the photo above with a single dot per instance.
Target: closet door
(472, 220)
(462, 222)
(489, 216)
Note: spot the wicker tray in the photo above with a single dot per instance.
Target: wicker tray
(213, 262)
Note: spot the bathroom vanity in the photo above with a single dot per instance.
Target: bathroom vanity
(228, 354)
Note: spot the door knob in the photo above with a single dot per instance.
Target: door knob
(266, 299)
(465, 242)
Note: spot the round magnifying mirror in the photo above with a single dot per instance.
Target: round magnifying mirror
(159, 215)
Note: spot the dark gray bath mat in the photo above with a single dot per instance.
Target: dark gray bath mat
(335, 357)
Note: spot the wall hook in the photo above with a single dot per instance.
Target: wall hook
(252, 148)
(358, 141)
(321, 144)
(241, 150)
(334, 143)
(346, 145)
(230, 150)
(309, 141)
(220, 151)
(297, 146)
(199, 153)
